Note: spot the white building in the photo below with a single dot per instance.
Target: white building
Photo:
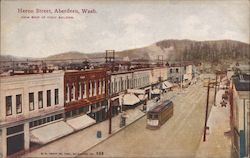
(181, 72)
(158, 74)
(122, 81)
(27, 103)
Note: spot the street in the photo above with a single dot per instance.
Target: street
(178, 137)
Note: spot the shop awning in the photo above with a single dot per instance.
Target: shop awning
(130, 99)
(142, 97)
(50, 132)
(136, 91)
(81, 122)
(156, 91)
(166, 85)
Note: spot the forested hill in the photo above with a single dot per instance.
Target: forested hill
(207, 50)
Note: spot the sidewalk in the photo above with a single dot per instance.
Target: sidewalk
(76, 143)
(218, 141)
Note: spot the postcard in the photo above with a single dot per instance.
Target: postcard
(125, 78)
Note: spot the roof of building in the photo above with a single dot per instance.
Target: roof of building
(241, 82)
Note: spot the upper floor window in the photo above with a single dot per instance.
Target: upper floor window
(90, 88)
(18, 103)
(40, 99)
(171, 71)
(8, 105)
(56, 96)
(48, 97)
(83, 90)
(31, 101)
(94, 88)
(177, 70)
(79, 90)
(103, 86)
(72, 95)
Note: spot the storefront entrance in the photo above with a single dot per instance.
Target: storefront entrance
(15, 139)
(115, 107)
(15, 144)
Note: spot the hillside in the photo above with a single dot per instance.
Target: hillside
(208, 51)
(67, 56)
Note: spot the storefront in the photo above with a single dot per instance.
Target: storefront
(15, 139)
(99, 111)
(115, 106)
(130, 101)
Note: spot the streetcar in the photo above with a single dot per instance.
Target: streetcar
(157, 116)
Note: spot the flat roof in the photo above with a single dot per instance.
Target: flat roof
(160, 107)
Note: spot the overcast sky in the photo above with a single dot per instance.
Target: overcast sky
(118, 25)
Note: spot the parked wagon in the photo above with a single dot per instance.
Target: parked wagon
(160, 114)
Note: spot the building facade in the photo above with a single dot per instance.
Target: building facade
(121, 82)
(240, 114)
(28, 102)
(181, 72)
(86, 93)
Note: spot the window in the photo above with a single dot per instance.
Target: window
(155, 117)
(40, 99)
(8, 105)
(177, 70)
(15, 129)
(79, 91)
(59, 116)
(103, 86)
(56, 96)
(31, 101)
(171, 70)
(67, 93)
(72, 91)
(83, 90)
(90, 89)
(48, 98)
(94, 88)
(100, 87)
(18, 103)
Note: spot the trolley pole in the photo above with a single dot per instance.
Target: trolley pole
(205, 126)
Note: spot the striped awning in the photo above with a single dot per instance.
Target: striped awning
(50, 132)
(130, 99)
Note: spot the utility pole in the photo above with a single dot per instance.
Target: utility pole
(215, 88)
(160, 60)
(112, 60)
(206, 116)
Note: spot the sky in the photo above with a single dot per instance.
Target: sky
(117, 25)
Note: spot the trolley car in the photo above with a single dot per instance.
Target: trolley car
(160, 114)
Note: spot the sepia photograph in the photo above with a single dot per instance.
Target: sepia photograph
(125, 79)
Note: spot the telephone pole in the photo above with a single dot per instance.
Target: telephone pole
(206, 116)
(110, 60)
(215, 88)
